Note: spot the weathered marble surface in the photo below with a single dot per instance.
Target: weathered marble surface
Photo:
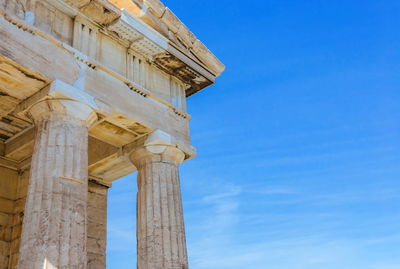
(70, 69)
(96, 226)
(160, 225)
(54, 228)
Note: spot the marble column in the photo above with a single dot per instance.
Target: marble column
(160, 225)
(54, 228)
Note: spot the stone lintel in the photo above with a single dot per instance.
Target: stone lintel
(21, 145)
(100, 181)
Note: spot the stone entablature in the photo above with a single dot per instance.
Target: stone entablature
(113, 37)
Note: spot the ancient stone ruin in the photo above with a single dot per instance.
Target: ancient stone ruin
(91, 91)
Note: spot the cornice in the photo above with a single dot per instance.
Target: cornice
(142, 39)
(164, 54)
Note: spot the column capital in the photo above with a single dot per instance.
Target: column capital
(170, 154)
(157, 148)
(62, 109)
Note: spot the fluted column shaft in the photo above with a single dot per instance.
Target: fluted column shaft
(54, 228)
(160, 224)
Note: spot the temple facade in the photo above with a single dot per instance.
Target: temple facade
(92, 91)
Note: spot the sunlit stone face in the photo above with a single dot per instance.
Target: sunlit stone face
(90, 93)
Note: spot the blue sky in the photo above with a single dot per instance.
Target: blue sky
(298, 142)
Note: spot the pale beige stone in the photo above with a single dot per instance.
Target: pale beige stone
(133, 6)
(79, 3)
(171, 20)
(187, 37)
(96, 261)
(88, 94)
(208, 58)
(156, 5)
(151, 18)
(160, 225)
(55, 212)
(101, 11)
(54, 22)
(96, 225)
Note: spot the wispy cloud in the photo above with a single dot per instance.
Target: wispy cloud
(230, 191)
(272, 190)
(226, 239)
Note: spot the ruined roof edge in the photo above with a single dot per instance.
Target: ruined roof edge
(164, 21)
